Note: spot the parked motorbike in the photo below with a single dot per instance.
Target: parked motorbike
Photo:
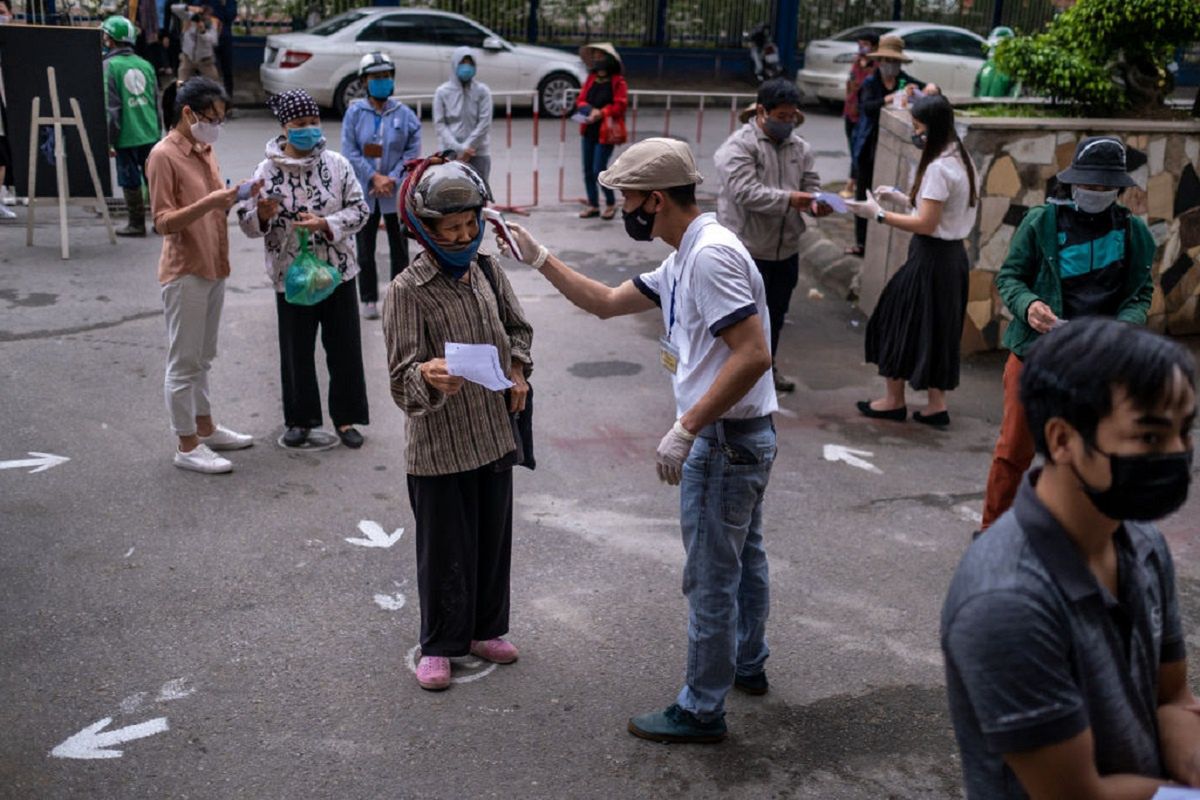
(764, 53)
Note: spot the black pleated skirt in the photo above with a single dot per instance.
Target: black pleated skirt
(915, 333)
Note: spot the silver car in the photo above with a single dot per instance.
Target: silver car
(324, 60)
(950, 57)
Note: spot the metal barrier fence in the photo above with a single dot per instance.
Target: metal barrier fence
(670, 104)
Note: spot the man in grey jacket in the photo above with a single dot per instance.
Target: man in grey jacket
(462, 114)
(768, 179)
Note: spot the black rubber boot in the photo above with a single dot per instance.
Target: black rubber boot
(137, 214)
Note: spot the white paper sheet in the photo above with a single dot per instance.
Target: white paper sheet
(834, 201)
(579, 117)
(1173, 793)
(478, 363)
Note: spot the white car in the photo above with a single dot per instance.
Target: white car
(950, 57)
(324, 60)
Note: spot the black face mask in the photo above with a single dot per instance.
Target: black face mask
(919, 140)
(639, 223)
(1144, 488)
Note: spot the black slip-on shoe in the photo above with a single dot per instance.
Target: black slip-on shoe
(894, 415)
(351, 438)
(295, 437)
(938, 420)
(752, 684)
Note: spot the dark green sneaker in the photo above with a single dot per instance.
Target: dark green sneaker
(676, 725)
(752, 684)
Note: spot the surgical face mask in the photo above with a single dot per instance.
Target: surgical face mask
(380, 88)
(304, 139)
(204, 131)
(1144, 487)
(778, 129)
(863, 49)
(919, 140)
(889, 69)
(1090, 201)
(454, 259)
(639, 223)
(465, 72)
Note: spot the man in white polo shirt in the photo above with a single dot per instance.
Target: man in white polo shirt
(722, 443)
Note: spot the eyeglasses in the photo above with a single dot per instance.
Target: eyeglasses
(218, 121)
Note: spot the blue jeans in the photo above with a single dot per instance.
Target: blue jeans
(725, 576)
(595, 161)
(131, 165)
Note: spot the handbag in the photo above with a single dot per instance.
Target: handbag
(522, 421)
(614, 130)
(309, 280)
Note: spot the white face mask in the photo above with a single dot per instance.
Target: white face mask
(5, 19)
(1090, 201)
(204, 131)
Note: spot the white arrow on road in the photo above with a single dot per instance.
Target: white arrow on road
(40, 462)
(836, 452)
(91, 743)
(375, 536)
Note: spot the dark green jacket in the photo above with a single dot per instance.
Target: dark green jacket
(1031, 272)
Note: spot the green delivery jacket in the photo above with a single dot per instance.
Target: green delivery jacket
(1031, 272)
(131, 97)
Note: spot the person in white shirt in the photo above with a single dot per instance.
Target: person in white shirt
(722, 443)
(916, 330)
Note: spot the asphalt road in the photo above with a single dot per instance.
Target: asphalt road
(260, 654)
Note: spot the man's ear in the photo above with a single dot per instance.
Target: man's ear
(1059, 435)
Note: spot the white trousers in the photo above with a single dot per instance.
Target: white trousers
(192, 307)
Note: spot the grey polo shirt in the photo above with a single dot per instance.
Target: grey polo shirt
(1037, 650)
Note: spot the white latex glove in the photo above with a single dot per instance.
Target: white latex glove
(890, 194)
(867, 209)
(672, 452)
(529, 246)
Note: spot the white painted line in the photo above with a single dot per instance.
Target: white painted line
(40, 462)
(91, 743)
(969, 514)
(468, 662)
(375, 536)
(175, 690)
(132, 703)
(836, 452)
(390, 602)
(129, 553)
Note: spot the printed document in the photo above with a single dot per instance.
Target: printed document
(478, 363)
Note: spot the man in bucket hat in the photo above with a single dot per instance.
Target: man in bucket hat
(722, 443)
(1081, 254)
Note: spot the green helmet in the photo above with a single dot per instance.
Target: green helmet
(119, 29)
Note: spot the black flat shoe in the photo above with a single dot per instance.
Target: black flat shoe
(351, 438)
(895, 415)
(938, 420)
(295, 437)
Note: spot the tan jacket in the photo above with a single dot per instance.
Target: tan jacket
(757, 178)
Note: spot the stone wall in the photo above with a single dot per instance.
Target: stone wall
(1015, 158)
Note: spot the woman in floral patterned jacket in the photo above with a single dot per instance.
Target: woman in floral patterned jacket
(308, 187)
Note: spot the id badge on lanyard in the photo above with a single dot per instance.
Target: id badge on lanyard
(668, 354)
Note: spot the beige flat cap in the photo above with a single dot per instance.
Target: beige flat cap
(651, 164)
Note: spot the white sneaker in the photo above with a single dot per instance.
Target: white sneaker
(7, 213)
(202, 459)
(224, 439)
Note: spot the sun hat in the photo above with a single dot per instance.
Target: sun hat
(655, 163)
(603, 47)
(1099, 160)
(890, 47)
(119, 29)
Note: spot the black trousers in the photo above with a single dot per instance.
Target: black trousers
(464, 552)
(224, 53)
(866, 175)
(337, 318)
(368, 276)
(780, 278)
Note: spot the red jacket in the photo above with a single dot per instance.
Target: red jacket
(615, 109)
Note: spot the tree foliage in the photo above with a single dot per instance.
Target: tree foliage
(1109, 56)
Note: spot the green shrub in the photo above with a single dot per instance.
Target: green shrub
(1108, 55)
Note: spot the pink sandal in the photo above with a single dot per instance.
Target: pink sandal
(498, 651)
(433, 673)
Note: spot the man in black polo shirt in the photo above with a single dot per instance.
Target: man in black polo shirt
(1061, 631)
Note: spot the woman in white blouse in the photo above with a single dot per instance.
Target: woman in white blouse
(915, 333)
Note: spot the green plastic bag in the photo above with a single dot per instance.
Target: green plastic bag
(309, 280)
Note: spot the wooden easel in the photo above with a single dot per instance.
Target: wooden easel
(60, 163)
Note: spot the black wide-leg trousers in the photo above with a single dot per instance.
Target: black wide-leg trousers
(464, 553)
